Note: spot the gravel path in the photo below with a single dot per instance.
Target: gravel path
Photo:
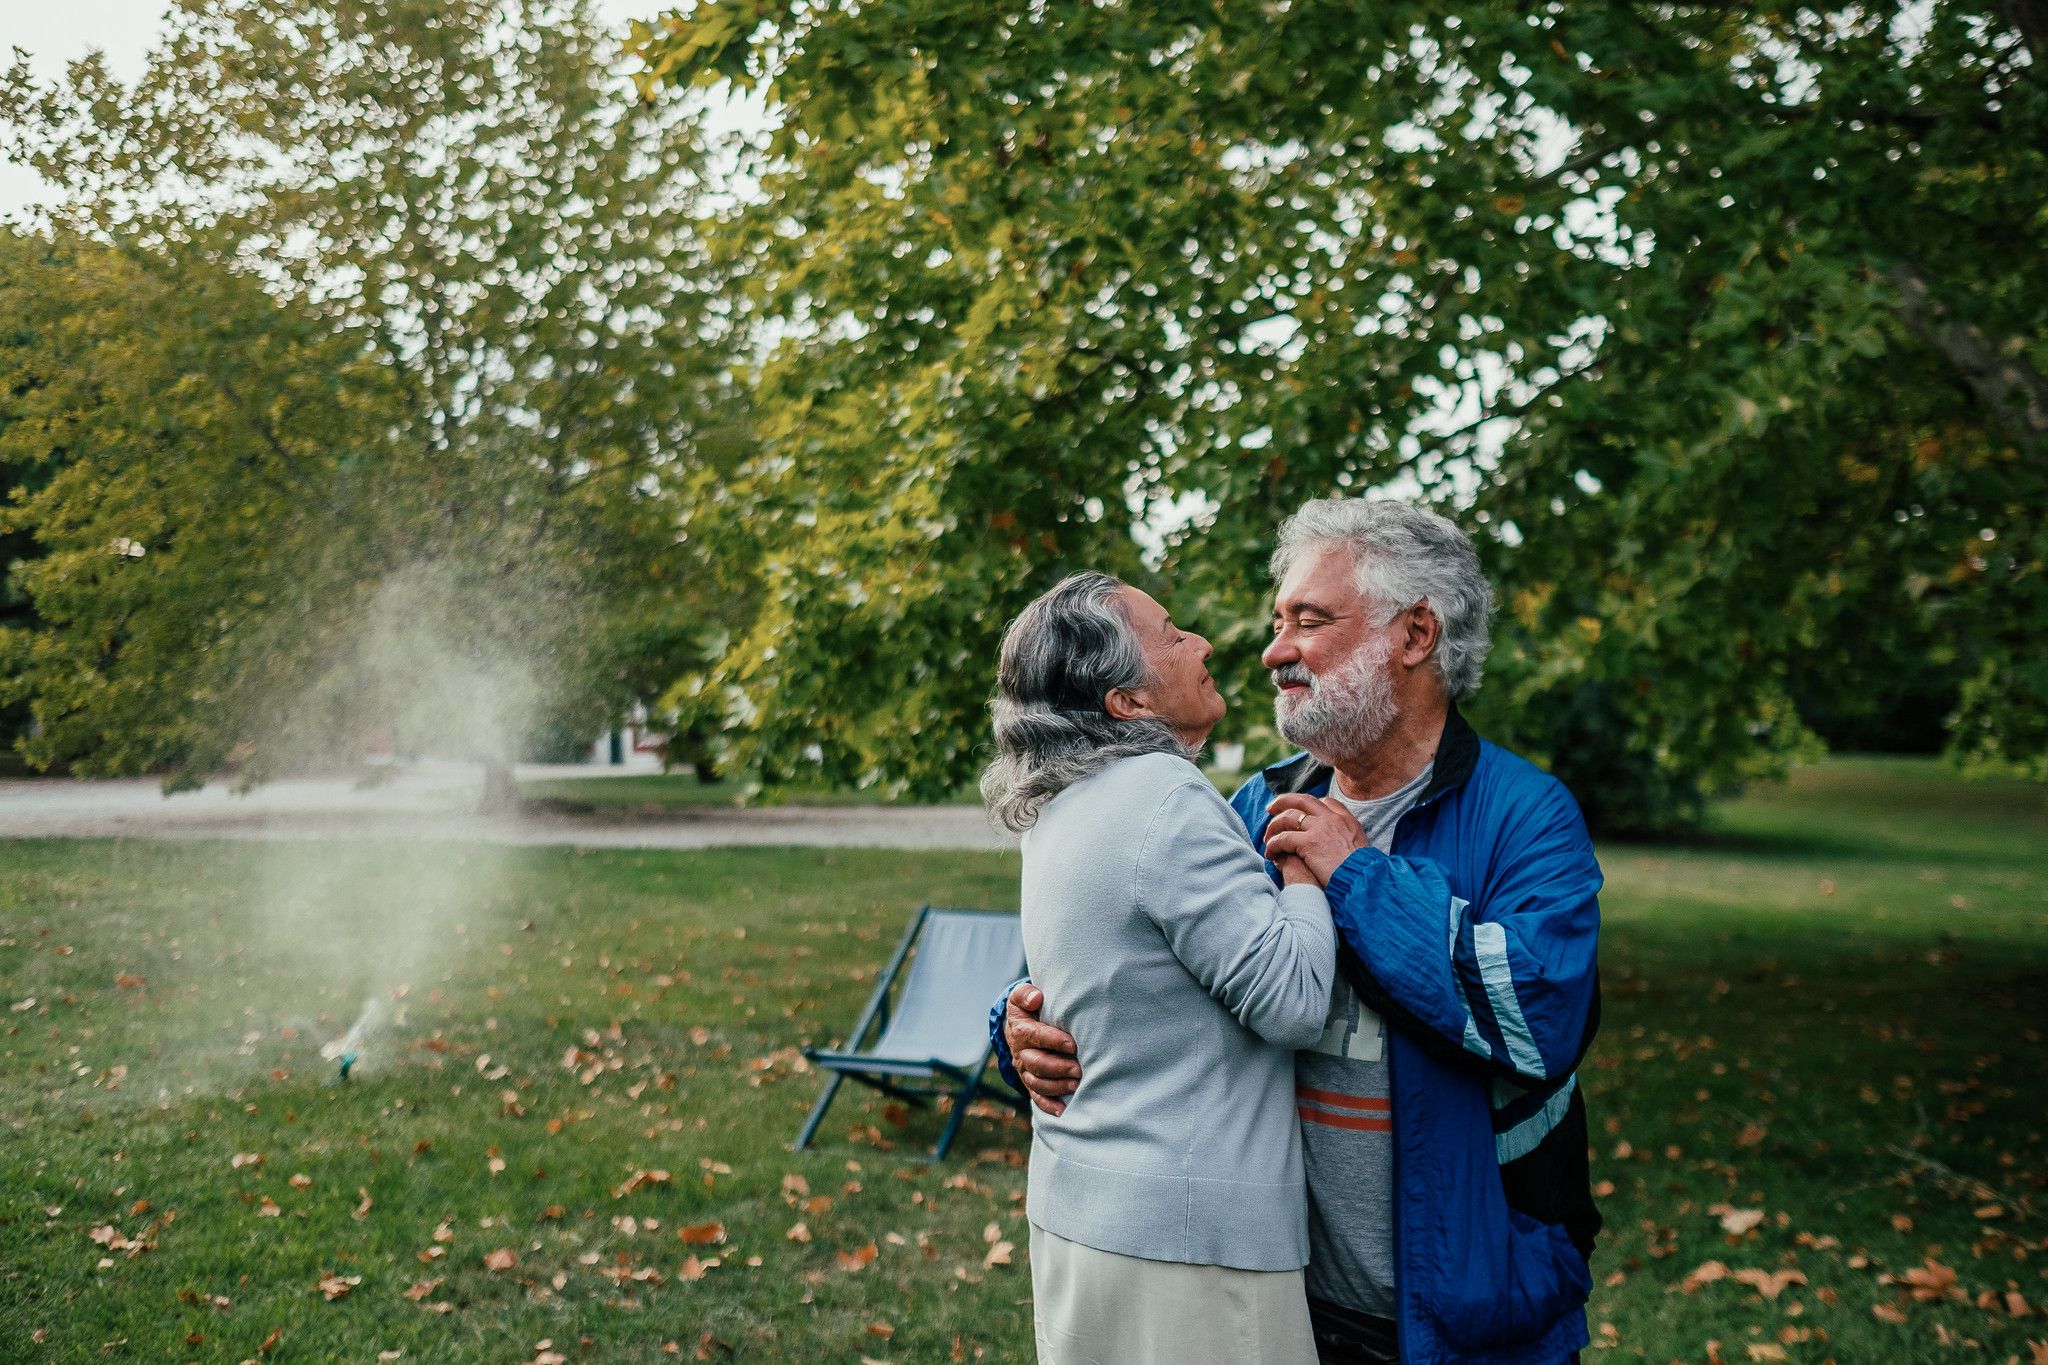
(427, 802)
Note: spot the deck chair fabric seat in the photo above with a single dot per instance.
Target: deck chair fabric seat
(933, 1033)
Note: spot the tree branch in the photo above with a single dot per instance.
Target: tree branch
(2030, 19)
(1438, 440)
(1584, 161)
(1914, 121)
(2000, 377)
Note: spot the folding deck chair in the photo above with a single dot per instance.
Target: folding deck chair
(934, 1039)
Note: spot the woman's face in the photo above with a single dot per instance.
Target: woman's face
(1182, 693)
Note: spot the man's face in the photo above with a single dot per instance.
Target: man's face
(1331, 658)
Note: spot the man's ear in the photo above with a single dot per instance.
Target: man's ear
(1123, 704)
(1420, 633)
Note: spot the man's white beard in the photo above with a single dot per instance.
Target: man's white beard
(1347, 710)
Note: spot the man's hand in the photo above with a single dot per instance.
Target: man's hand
(1319, 831)
(1042, 1054)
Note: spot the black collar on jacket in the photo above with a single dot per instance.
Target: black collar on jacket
(1457, 753)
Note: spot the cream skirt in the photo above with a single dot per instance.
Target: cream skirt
(1098, 1308)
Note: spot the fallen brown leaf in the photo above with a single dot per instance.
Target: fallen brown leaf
(640, 1180)
(1706, 1274)
(1768, 1284)
(334, 1287)
(1928, 1283)
(1736, 1221)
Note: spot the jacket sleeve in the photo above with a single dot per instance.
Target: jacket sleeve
(1006, 1065)
(1267, 953)
(1506, 982)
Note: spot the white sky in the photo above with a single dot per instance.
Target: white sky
(57, 32)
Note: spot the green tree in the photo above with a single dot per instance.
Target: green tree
(16, 547)
(1719, 325)
(372, 350)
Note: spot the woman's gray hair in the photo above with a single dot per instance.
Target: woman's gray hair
(1061, 657)
(1405, 555)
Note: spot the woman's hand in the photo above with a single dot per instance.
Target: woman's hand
(1319, 832)
(1294, 872)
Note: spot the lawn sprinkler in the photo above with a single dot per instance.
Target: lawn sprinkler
(348, 1049)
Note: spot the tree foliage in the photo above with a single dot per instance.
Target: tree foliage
(370, 347)
(1723, 327)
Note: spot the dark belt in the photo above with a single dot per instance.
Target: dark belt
(1345, 1336)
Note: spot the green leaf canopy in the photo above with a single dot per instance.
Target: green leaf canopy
(368, 353)
(1724, 329)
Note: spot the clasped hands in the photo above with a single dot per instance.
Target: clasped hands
(1307, 838)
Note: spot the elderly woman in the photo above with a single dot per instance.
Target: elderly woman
(1168, 1219)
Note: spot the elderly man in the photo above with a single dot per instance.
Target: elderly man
(1444, 1136)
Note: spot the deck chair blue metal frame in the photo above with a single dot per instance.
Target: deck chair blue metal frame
(933, 1035)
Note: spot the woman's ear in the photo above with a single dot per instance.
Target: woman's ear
(1124, 704)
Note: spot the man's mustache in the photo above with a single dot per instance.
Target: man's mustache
(1295, 675)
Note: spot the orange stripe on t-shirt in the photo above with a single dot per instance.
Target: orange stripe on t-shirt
(1353, 1121)
(1341, 1101)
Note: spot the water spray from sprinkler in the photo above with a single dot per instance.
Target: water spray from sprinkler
(348, 1049)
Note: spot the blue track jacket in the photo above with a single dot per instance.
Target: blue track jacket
(1476, 939)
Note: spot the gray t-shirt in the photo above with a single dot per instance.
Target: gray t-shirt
(1347, 1123)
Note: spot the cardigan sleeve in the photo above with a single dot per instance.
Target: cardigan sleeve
(1267, 953)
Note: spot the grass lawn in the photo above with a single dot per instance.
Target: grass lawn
(1822, 1018)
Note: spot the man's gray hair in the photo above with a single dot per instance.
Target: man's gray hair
(1404, 555)
(1061, 657)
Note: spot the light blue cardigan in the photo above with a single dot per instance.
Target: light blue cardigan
(1187, 980)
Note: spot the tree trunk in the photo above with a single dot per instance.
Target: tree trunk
(2030, 19)
(501, 788)
(1999, 377)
